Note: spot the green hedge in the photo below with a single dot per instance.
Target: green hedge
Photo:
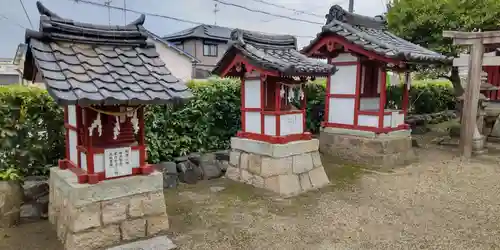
(31, 136)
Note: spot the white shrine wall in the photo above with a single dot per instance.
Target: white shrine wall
(291, 124)
(270, 125)
(368, 120)
(252, 100)
(72, 135)
(343, 82)
(369, 103)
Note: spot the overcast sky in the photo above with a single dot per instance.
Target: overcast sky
(13, 19)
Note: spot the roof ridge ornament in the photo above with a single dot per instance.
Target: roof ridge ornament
(336, 13)
(44, 11)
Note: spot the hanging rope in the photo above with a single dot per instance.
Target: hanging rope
(115, 113)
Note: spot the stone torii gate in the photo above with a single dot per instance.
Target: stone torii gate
(477, 41)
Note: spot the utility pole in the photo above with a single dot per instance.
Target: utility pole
(108, 3)
(125, 12)
(216, 9)
(351, 6)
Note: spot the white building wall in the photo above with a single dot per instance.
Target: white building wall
(252, 122)
(368, 120)
(341, 110)
(252, 93)
(270, 125)
(344, 80)
(291, 124)
(180, 65)
(73, 152)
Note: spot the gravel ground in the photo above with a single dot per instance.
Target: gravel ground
(438, 203)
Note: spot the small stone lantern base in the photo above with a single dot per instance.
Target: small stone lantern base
(108, 213)
(367, 148)
(287, 169)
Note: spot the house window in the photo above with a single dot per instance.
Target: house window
(179, 45)
(210, 48)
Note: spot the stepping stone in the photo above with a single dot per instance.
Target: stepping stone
(156, 243)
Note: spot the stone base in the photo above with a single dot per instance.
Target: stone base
(287, 169)
(108, 213)
(367, 148)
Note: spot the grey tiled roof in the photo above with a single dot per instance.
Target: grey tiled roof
(271, 52)
(94, 64)
(372, 35)
(203, 31)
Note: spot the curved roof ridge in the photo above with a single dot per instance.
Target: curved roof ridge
(264, 40)
(54, 27)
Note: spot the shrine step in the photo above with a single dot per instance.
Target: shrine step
(156, 243)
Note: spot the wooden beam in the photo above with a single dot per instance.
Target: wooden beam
(468, 38)
(463, 61)
(469, 111)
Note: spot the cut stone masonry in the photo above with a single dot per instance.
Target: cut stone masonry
(106, 214)
(287, 169)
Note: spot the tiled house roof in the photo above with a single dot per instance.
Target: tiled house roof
(372, 35)
(271, 52)
(87, 64)
(203, 31)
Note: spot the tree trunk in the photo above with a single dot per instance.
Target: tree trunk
(455, 80)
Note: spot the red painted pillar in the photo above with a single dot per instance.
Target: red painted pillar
(93, 178)
(145, 168)
(406, 89)
(262, 102)
(277, 107)
(357, 92)
(327, 94)
(304, 108)
(242, 104)
(383, 81)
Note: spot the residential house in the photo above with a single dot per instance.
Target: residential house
(207, 43)
(9, 73)
(180, 63)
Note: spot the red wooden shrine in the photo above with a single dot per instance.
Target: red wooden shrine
(273, 74)
(105, 135)
(364, 51)
(103, 76)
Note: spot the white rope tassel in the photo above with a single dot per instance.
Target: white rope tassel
(135, 122)
(290, 94)
(116, 130)
(96, 124)
(301, 93)
(282, 91)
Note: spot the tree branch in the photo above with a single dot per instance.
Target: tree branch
(445, 76)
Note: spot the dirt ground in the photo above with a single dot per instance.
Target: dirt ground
(440, 202)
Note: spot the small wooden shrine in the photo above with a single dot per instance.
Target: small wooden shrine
(103, 76)
(363, 50)
(273, 74)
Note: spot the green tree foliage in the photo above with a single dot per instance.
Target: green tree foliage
(423, 22)
(32, 132)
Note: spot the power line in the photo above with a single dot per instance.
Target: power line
(317, 7)
(154, 14)
(138, 12)
(267, 13)
(291, 9)
(26, 12)
(12, 21)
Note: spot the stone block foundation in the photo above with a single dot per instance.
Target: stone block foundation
(287, 169)
(108, 213)
(383, 151)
